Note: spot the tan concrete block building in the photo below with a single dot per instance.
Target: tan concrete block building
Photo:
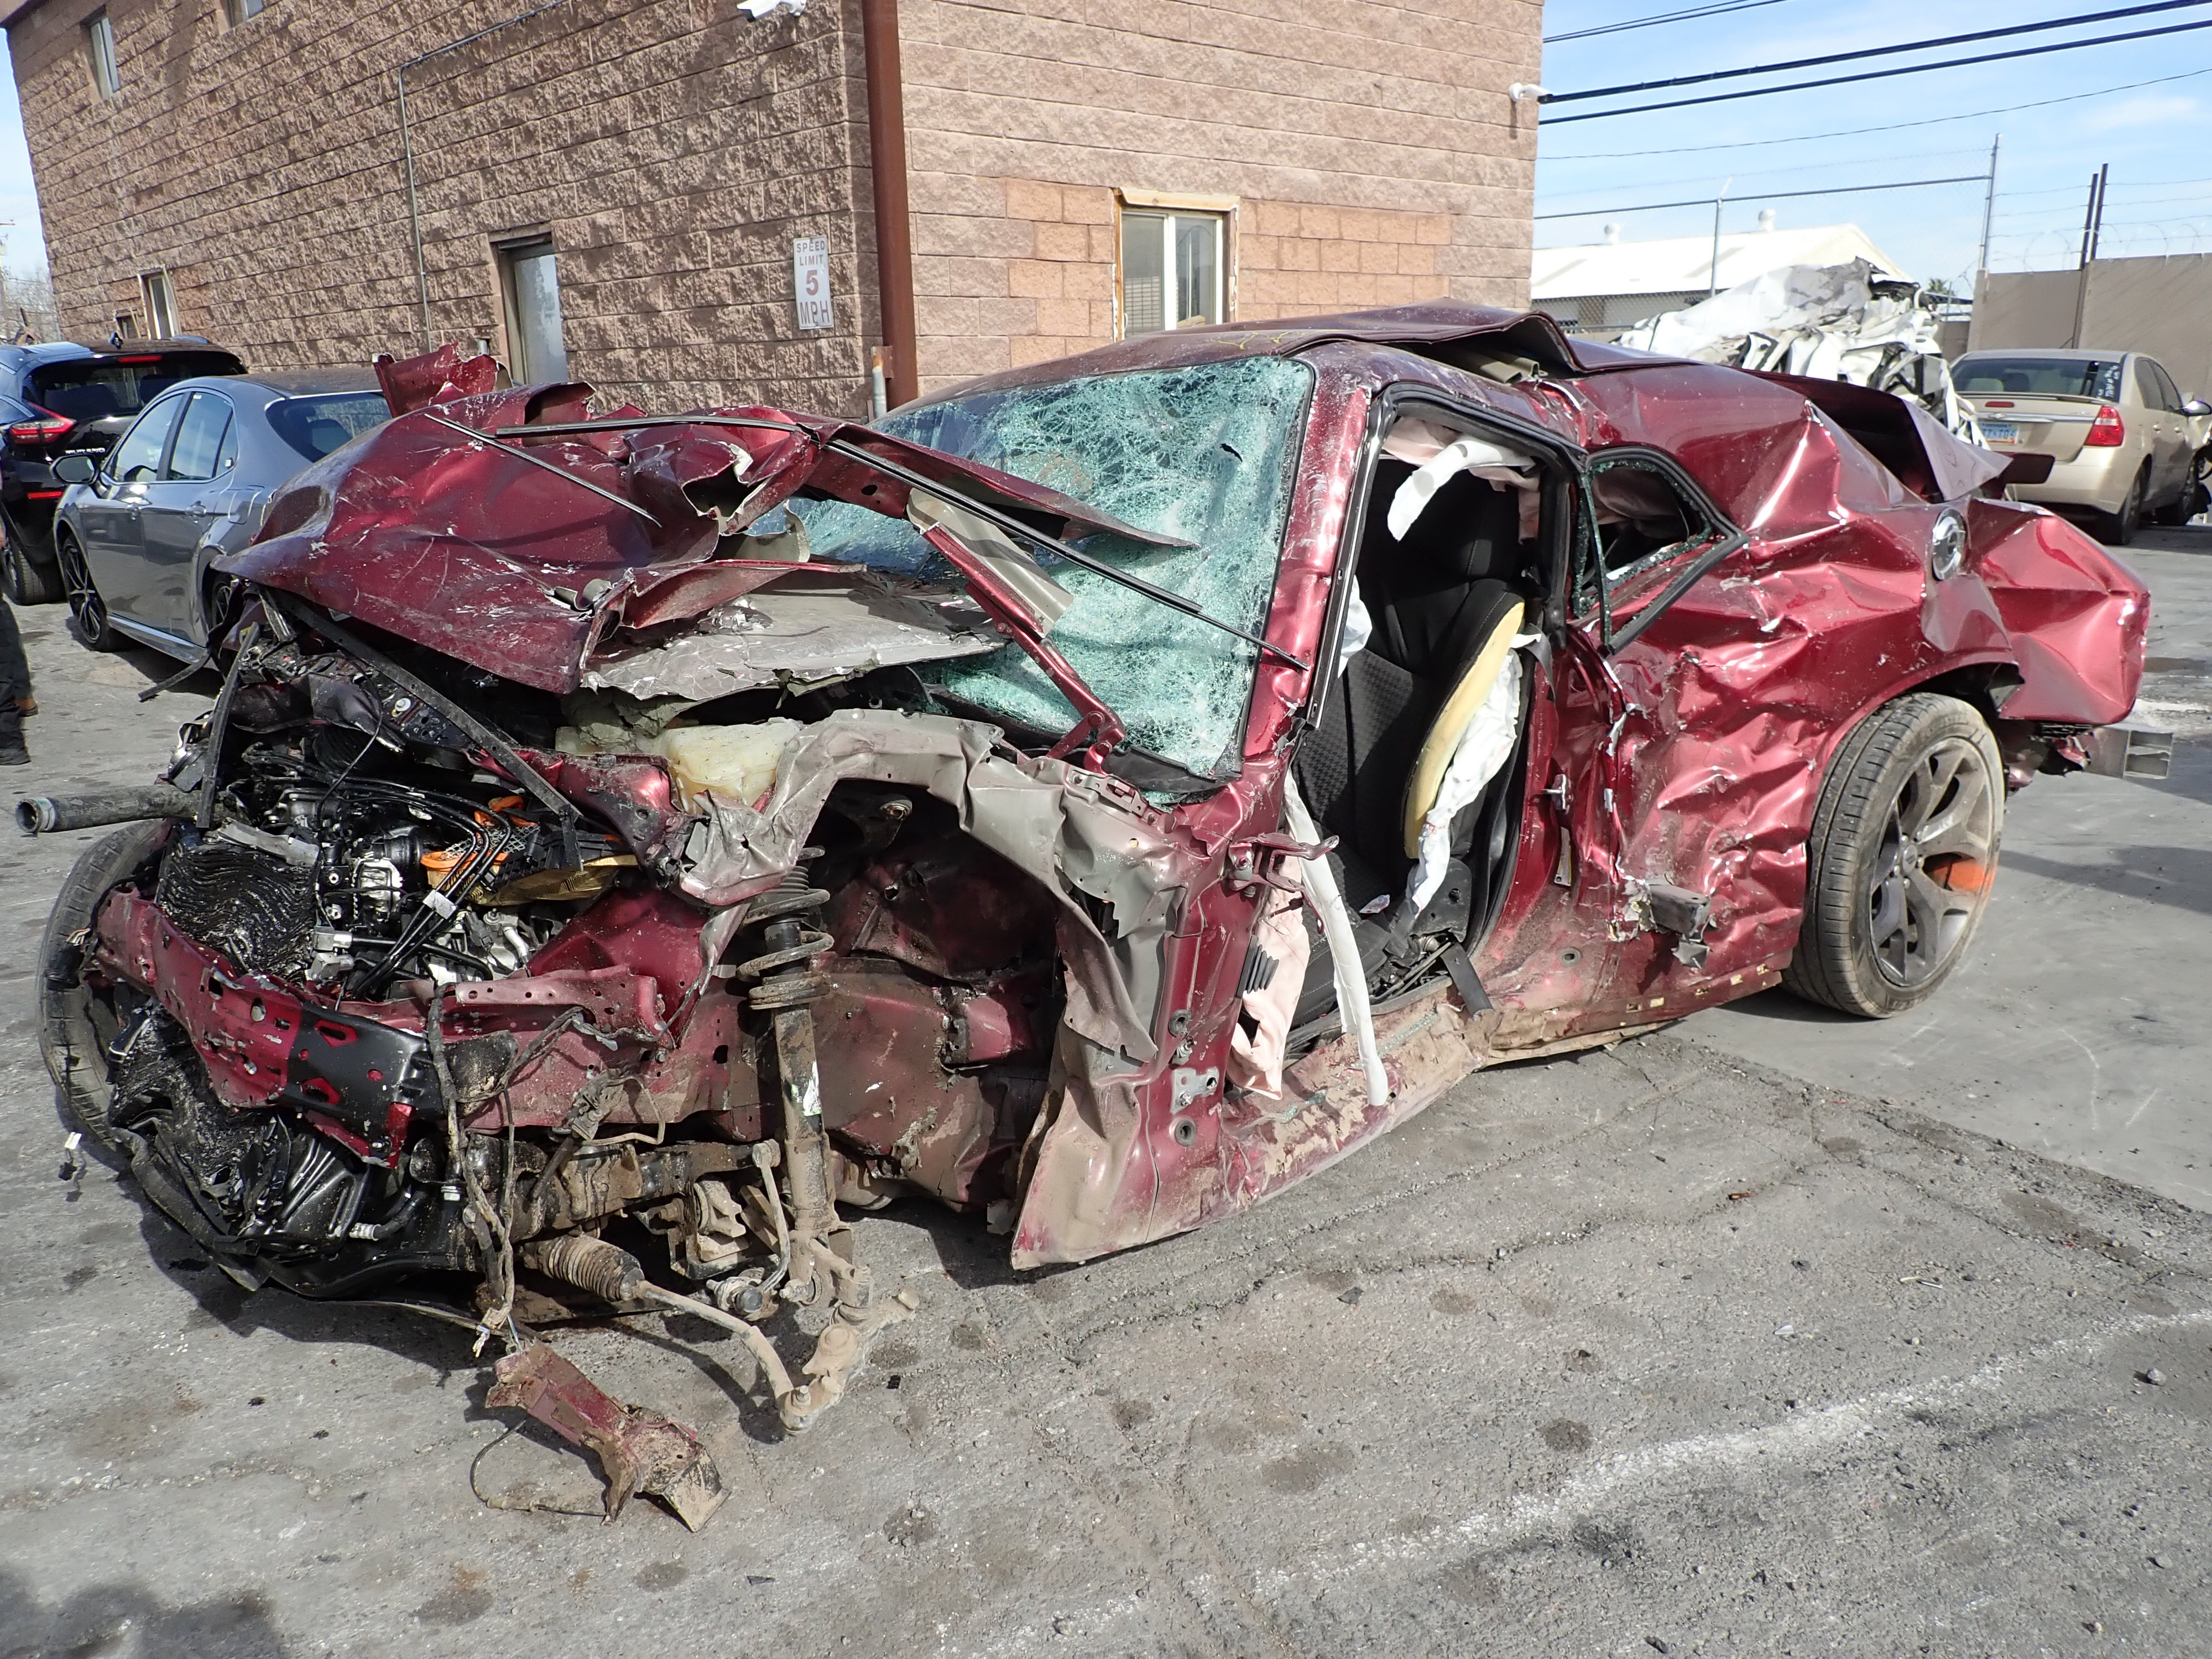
(660, 195)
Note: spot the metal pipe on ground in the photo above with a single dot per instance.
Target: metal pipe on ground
(41, 815)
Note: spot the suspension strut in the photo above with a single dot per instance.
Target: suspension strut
(786, 978)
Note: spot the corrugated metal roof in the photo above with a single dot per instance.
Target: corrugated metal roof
(1684, 263)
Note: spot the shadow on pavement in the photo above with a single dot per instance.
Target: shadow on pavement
(104, 1619)
(2191, 779)
(2180, 876)
(1786, 1009)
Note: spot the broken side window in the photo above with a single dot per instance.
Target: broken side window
(1207, 454)
(1646, 523)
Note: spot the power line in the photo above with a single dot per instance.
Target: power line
(2005, 33)
(1887, 73)
(1772, 196)
(2076, 190)
(2147, 201)
(1891, 126)
(1654, 21)
(1797, 172)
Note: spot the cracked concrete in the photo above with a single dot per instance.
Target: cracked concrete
(1652, 1345)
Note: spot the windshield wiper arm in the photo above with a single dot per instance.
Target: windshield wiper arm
(1005, 521)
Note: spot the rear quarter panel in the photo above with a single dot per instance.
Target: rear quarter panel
(1735, 700)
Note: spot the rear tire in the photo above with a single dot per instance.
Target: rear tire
(86, 605)
(1902, 855)
(2183, 506)
(76, 1023)
(24, 580)
(2121, 527)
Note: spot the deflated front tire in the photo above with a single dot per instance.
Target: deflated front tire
(76, 1023)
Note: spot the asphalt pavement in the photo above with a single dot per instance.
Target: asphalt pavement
(2075, 1027)
(1664, 1349)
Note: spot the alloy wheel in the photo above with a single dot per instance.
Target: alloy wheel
(2129, 520)
(1930, 876)
(84, 601)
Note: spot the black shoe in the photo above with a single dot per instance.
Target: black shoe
(14, 754)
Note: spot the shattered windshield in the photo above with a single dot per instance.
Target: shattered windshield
(1204, 454)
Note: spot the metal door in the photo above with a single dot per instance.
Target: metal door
(180, 509)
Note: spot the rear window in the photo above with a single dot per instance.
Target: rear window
(316, 426)
(95, 388)
(2039, 377)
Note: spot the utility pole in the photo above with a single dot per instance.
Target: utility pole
(1989, 213)
(2093, 225)
(1713, 277)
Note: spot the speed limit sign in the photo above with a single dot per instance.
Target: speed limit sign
(809, 280)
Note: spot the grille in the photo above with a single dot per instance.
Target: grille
(257, 910)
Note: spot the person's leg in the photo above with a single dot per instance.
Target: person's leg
(15, 690)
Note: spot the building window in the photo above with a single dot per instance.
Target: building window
(239, 10)
(100, 53)
(161, 309)
(531, 290)
(126, 326)
(1172, 268)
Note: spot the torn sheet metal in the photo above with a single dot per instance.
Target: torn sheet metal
(1844, 322)
(1045, 600)
(479, 553)
(1120, 875)
(638, 1450)
(805, 626)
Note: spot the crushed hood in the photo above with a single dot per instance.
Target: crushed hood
(436, 529)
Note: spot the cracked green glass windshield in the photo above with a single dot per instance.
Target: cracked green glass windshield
(1206, 455)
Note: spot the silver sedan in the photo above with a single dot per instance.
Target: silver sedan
(137, 532)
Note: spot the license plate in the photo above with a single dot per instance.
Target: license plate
(1999, 432)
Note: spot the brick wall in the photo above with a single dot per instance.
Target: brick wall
(1370, 150)
(672, 149)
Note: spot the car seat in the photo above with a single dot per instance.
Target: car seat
(1444, 603)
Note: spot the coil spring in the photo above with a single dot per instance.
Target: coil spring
(785, 974)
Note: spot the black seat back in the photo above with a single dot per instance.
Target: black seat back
(1433, 598)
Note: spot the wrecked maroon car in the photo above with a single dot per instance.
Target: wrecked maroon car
(1094, 798)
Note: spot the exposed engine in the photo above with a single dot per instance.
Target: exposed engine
(374, 999)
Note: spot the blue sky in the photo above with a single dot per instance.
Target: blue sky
(2158, 139)
(26, 245)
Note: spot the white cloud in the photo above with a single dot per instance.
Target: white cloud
(2145, 110)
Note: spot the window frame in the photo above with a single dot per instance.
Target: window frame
(1564, 462)
(168, 440)
(1698, 555)
(238, 13)
(102, 64)
(159, 296)
(1219, 212)
(223, 442)
(506, 254)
